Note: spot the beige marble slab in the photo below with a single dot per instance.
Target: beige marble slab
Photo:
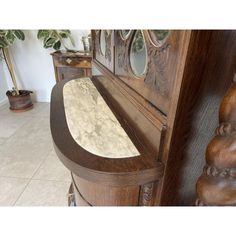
(91, 122)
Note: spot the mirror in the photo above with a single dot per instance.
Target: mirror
(159, 37)
(103, 42)
(125, 34)
(138, 55)
(108, 33)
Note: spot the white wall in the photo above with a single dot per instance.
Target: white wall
(33, 65)
(3, 84)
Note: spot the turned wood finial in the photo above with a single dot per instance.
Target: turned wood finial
(217, 184)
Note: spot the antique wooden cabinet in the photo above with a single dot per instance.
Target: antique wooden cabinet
(164, 87)
(69, 65)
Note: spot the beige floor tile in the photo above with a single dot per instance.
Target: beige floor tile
(19, 166)
(53, 169)
(2, 140)
(10, 124)
(44, 193)
(10, 190)
(39, 109)
(33, 139)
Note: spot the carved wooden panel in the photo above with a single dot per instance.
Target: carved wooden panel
(121, 53)
(162, 67)
(217, 184)
(108, 58)
(147, 194)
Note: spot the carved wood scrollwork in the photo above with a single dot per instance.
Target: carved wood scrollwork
(108, 47)
(122, 57)
(97, 41)
(146, 194)
(217, 184)
(156, 77)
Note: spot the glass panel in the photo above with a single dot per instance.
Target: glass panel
(103, 42)
(108, 32)
(125, 33)
(138, 55)
(158, 37)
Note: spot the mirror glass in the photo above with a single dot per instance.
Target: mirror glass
(158, 37)
(103, 42)
(125, 34)
(138, 54)
(108, 33)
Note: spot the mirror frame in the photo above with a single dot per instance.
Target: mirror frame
(127, 36)
(100, 48)
(160, 42)
(129, 51)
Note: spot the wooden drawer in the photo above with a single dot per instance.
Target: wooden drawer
(74, 62)
(94, 194)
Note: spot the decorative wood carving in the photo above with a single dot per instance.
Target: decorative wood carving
(108, 47)
(146, 195)
(158, 60)
(122, 55)
(217, 184)
(97, 41)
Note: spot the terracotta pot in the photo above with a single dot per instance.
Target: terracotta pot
(20, 103)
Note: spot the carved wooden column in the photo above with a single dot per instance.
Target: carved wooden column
(217, 184)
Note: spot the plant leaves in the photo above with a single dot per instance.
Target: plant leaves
(57, 45)
(43, 33)
(19, 34)
(3, 42)
(50, 42)
(54, 38)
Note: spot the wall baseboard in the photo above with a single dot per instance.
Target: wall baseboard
(3, 102)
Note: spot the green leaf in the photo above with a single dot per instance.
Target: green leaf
(49, 43)
(10, 37)
(63, 35)
(3, 42)
(57, 45)
(43, 33)
(19, 34)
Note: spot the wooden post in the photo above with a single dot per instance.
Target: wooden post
(217, 184)
(7, 57)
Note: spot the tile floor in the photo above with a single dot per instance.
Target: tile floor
(30, 172)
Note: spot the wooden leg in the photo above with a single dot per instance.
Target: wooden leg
(217, 184)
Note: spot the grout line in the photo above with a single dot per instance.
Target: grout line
(43, 160)
(21, 193)
(12, 177)
(50, 180)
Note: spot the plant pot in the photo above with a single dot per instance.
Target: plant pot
(21, 102)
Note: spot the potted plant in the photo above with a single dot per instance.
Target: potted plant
(19, 100)
(55, 39)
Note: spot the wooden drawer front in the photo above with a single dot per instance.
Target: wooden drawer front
(67, 73)
(100, 195)
(72, 61)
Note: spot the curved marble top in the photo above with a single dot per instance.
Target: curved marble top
(91, 122)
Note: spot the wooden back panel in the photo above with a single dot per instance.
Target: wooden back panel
(144, 129)
(162, 66)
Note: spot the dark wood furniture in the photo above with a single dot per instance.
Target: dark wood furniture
(69, 65)
(167, 105)
(217, 184)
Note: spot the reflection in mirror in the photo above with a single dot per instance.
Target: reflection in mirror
(108, 33)
(138, 54)
(125, 34)
(103, 42)
(158, 37)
